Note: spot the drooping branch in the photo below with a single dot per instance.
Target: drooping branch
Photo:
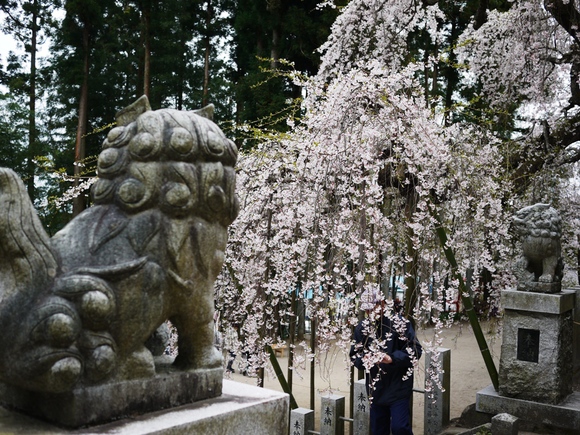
(466, 299)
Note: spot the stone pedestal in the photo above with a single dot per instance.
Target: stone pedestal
(565, 415)
(536, 365)
(241, 409)
(98, 404)
(536, 361)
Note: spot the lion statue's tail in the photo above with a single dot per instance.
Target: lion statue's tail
(38, 328)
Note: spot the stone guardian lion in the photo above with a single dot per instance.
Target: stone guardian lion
(541, 268)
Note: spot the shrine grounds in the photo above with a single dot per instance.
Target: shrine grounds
(468, 372)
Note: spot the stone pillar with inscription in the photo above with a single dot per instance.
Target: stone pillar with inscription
(331, 413)
(536, 353)
(361, 410)
(301, 421)
(437, 402)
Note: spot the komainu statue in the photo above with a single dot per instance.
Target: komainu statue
(77, 309)
(541, 268)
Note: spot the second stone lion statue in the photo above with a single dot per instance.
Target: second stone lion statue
(541, 267)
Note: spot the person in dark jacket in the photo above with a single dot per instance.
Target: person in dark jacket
(386, 347)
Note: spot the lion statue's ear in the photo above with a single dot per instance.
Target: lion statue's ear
(130, 113)
(206, 112)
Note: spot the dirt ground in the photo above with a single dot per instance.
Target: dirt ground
(468, 372)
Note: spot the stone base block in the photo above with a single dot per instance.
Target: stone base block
(536, 361)
(241, 409)
(505, 424)
(541, 287)
(565, 415)
(538, 303)
(103, 403)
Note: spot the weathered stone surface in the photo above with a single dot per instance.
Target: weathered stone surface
(541, 267)
(361, 408)
(543, 371)
(301, 421)
(540, 287)
(538, 303)
(331, 411)
(576, 335)
(437, 405)
(504, 424)
(98, 404)
(241, 409)
(565, 415)
(77, 310)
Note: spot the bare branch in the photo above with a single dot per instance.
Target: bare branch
(566, 14)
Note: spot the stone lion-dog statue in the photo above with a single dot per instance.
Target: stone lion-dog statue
(77, 309)
(541, 268)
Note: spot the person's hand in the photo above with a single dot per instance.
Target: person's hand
(387, 359)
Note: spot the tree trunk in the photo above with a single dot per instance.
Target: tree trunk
(426, 69)
(32, 137)
(275, 51)
(146, 18)
(275, 8)
(181, 72)
(79, 200)
(313, 327)
(435, 75)
(207, 47)
(261, 297)
(300, 318)
(566, 14)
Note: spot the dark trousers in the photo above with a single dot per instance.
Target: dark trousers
(393, 419)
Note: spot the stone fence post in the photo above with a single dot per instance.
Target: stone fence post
(331, 411)
(437, 402)
(361, 409)
(576, 332)
(301, 421)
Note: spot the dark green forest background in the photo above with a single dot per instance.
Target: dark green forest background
(103, 55)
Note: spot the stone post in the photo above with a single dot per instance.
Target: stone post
(576, 333)
(437, 402)
(331, 409)
(301, 421)
(361, 409)
(504, 424)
